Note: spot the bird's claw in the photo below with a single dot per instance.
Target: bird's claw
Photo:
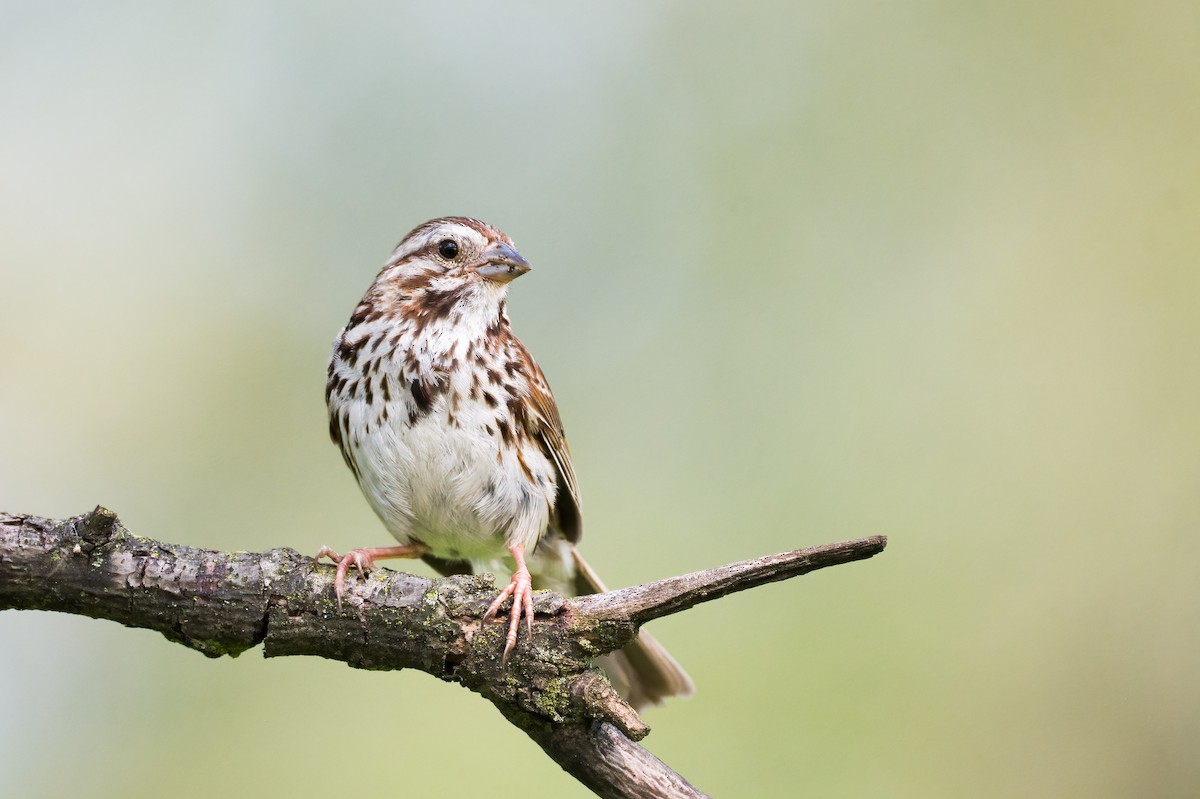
(364, 560)
(361, 559)
(520, 588)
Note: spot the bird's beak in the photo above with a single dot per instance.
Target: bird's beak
(501, 263)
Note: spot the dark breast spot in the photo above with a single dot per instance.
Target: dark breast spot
(524, 466)
(421, 398)
(360, 314)
(517, 408)
(335, 429)
(348, 351)
(339, 429)
(424, 394)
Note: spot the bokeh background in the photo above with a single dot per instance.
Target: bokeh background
(802, 272)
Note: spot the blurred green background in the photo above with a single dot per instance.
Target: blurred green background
(802, 272)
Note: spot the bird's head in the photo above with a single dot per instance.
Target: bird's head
(454, 253)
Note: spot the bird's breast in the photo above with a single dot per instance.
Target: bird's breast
(443, 461)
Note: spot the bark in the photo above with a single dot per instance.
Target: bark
(223, 603)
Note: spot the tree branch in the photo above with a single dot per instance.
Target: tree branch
(642, 603)
(223, 603)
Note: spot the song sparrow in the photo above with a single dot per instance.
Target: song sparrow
(455, 439)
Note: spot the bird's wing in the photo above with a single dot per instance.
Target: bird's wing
(545, 425)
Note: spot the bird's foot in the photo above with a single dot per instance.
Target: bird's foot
(364, 560)
(520, 588)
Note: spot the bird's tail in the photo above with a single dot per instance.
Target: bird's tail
(643, 671)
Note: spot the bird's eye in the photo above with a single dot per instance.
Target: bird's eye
(448, 249)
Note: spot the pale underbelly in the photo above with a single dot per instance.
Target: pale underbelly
(456, 489)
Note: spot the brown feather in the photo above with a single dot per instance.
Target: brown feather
(547, 428)
(643, 672)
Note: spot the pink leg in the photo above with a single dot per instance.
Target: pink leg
(520, 588)
(364, 561)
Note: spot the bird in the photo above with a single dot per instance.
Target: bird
(450, 428)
